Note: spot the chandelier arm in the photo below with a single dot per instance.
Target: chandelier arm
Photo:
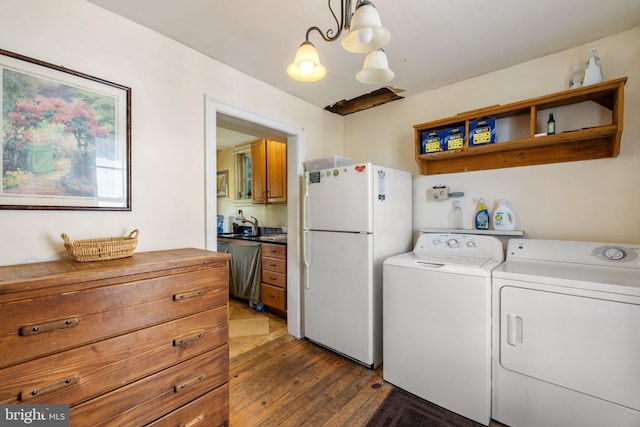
(344, 23)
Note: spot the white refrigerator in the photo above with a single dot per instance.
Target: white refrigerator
(354, 218)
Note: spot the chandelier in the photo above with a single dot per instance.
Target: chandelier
(365, 35)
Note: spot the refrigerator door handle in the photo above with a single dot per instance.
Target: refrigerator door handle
(305, 258)
(305, 206)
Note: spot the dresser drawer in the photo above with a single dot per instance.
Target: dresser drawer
(210, 410)
(274, 264)
(275, 279)
(106, 365)
(146, 400)
(40, 326)
(274, 251)
(273, 296)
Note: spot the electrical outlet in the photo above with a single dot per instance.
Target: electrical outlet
(440, 192)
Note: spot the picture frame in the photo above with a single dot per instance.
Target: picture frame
(222, 184)
(65, 138)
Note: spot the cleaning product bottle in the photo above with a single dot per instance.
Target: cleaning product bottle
(503, 217)
(592, 71)
(482, 215)
(551, 125)
(577, 76)
(456, 215)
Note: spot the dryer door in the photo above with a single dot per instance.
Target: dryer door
(587, 341)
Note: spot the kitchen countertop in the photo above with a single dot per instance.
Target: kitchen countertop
(278, 239)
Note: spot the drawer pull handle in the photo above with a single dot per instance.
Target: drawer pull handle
(193, 422)
(187, 295)
(31, 393)
(273, 278)
(273, 265)
(189, 339)
(49, 326)
(196, 380)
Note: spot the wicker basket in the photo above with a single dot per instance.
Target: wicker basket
(101, 249)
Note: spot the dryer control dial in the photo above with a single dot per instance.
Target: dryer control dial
(615, 253)
(471, 244)
(452, 243)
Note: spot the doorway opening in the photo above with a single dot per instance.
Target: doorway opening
(224, 116)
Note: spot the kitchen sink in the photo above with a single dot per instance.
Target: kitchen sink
(274, 238)
(264, 238)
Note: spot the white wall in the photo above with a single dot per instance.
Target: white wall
(169, 83)
(594, 200)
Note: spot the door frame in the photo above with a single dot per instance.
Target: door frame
(295, 174)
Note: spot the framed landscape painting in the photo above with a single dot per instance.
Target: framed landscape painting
(66, 138)
(222, 184)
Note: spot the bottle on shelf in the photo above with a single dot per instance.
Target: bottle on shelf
(592, 70)
(577, 76)
(482, 215)
(503, 217)
(551, 125)
(456, 216)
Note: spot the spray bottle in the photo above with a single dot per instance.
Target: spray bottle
(456, 215)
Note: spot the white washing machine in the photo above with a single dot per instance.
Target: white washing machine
(437, 321)
(566, 340)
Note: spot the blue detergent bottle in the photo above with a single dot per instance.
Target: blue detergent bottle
(482, 215)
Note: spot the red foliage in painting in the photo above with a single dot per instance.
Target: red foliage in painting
(77, 117)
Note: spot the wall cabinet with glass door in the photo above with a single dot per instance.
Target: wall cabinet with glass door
(269, 171)
(588, 126)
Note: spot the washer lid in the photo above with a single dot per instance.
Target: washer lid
(463, 265)
(452, 260)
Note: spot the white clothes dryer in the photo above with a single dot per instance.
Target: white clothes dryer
(566, 335)
(437, 321)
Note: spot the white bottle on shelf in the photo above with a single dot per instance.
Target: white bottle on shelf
(592, 70)
(503, 217)
(577, 76)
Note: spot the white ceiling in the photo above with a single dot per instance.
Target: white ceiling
(433, 42)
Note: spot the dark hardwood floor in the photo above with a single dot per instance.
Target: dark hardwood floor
(276, 380)
(289, 382)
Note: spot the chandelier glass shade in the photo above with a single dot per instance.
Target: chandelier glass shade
(307, 67)
(376, 69)
(365, 34)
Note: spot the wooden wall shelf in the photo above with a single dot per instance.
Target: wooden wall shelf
(596, 142)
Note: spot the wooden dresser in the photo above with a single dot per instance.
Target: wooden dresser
(130, 342)
(274, 277)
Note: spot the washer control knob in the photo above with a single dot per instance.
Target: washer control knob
(453, 243)
(471, 244)
(436, 242)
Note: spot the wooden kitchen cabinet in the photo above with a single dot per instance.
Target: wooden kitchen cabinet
(273, 288)
(129, 342)
(268, 171)
(584, 143)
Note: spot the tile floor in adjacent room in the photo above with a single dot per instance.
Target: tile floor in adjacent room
(249, 328)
